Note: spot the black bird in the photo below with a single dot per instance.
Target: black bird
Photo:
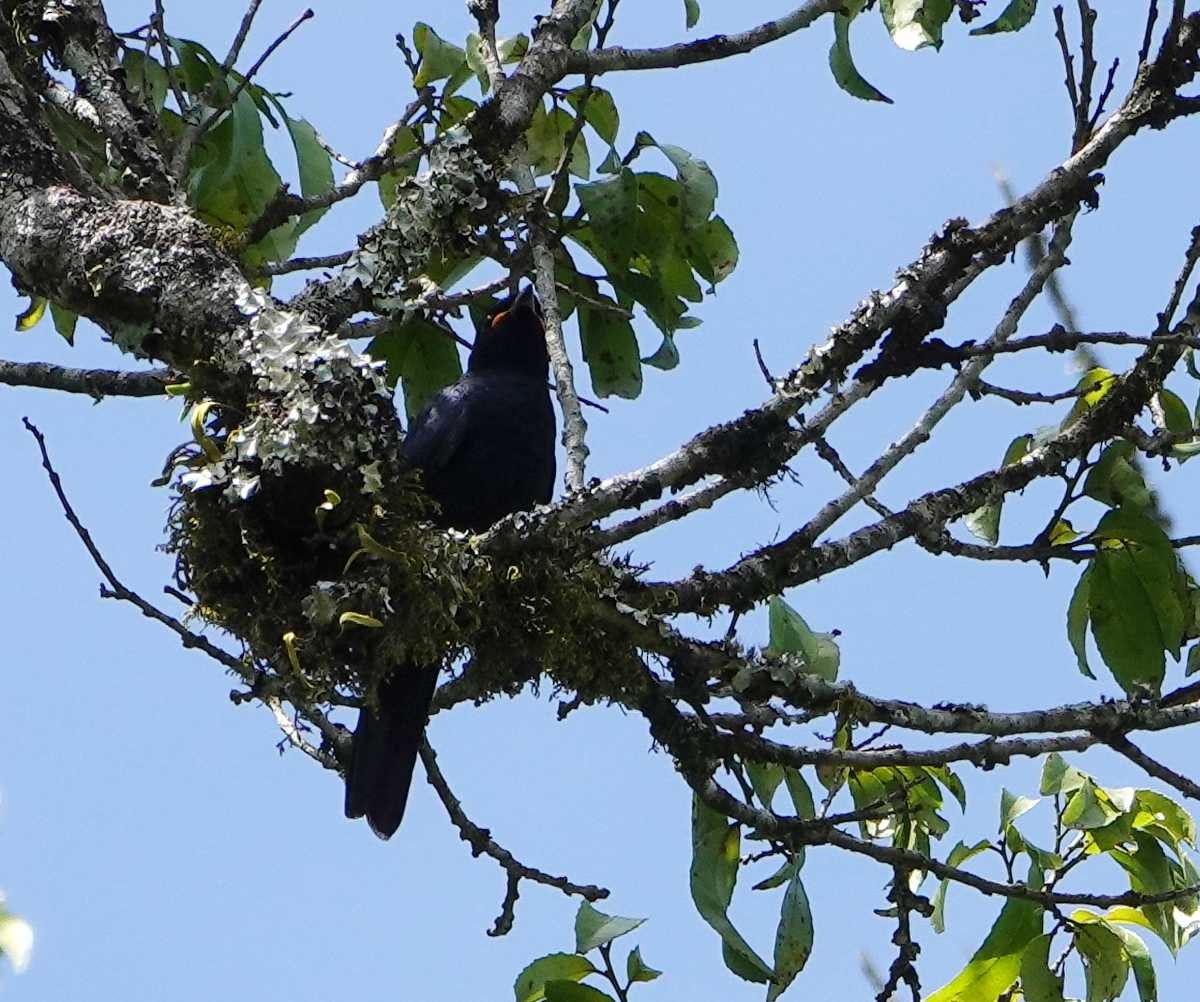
(485, 447)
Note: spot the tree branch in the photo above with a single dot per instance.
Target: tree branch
(703, 50)
(97, 383)
(481, 842)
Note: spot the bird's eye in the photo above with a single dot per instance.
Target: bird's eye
(498, 319)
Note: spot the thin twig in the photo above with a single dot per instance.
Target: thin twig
(1153, 767)
(481, 842)
(239, 39)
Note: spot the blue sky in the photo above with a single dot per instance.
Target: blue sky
(164, 849)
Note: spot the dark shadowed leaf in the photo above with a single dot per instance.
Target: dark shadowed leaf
(841, 63)
(421, 357)
(599, 111)
(793, 937)
(1105, 966)
(571, 991)
(611, 351)
(1014, 17)
(1038, 982)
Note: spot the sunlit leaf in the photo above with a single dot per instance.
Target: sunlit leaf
(530, 985)
(914, 24)
(593, 928)
(997, 963)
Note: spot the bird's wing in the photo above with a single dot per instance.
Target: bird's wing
(437, 432)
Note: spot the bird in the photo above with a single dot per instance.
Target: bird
(485, 448)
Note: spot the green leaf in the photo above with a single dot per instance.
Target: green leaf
(1176, 416)
(594, 929)
(546, 138)
(737, 963)
(599, 111)
(64, 322)
(713, 250)
(314, 165)
(798, 789)
(841, 64)
(1115, 480)
(997, 963)
(914, 24)
(406, 141)
(610, 349)
(960, 854)
(1078, 614)
(612, 209)
(1014, 17)
(666, 357)
(790, 634)
(698, 183)
(1125, 623)
(692, 11)
(570, 991)
(985, 522)
(1013, 806)
(1105, 966)
(789, 869)
(421, 357)
(439, 59)
(765, 778)
(636, 969)
(1146, 550)
(1085, 809)
(530, 985)
(1038, 982)
(713, 875)
(146, 76)
(1169, 817)
(793, 938)
(1139, 960)
(1058, 777)
(197, 68)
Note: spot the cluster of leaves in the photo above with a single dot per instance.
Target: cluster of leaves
(1145, 833)
(230, 178)
(654, 235)
(913, 24)
(559, 977)
(1135, 593)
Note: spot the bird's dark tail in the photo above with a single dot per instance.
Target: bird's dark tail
(384, 752)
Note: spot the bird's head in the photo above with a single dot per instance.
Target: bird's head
(513, 338)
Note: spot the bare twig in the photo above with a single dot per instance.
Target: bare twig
(481, 842)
